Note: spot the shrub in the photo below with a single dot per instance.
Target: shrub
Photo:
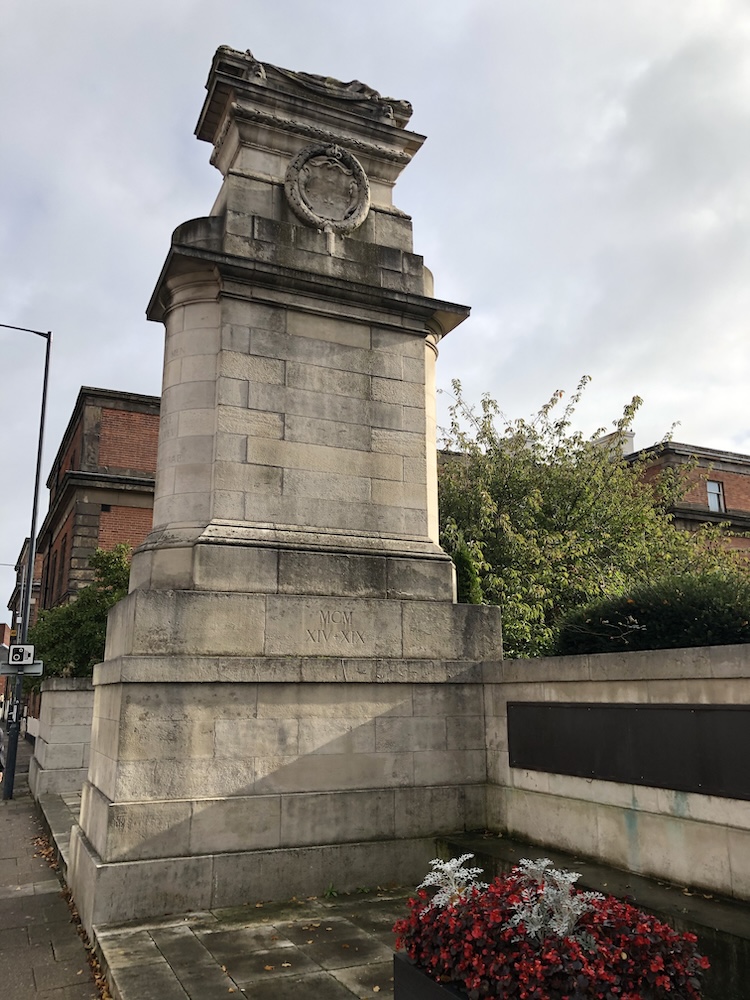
(706, 609)
(610, 950)
(468, 583)
(70, 638)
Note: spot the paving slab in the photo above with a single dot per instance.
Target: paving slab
(290, 950)
(42, 956)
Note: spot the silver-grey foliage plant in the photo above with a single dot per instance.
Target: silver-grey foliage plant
(454, 882)
(549, 905)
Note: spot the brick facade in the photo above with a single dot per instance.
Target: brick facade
(101, 487)
(128, 440)
(720, 486)
(124, 524)
(15, 602)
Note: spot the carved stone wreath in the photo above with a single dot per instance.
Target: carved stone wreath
(327, 188)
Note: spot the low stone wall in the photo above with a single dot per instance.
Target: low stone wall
(235, 777)
(61, 752)
(685, 837)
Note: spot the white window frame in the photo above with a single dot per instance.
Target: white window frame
(716, 502)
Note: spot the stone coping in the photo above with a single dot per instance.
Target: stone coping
(705, 662)
(284, 670)
(662, 664)
(67, 684)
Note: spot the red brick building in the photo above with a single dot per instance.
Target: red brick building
(101, 487)
(15, 604)
(720, 486)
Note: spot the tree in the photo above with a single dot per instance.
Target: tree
(553, 520)
(70, 638)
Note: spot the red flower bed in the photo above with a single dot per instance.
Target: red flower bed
(616, 952)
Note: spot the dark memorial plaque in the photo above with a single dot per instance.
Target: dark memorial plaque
(688, 748)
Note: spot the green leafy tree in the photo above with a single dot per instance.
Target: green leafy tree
(552, 520)
(70, 638)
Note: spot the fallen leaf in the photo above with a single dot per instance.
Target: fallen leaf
(268, 968)
(223, 968)
(310, 941)
(344, 945)
(258, 906)
(376, 989)
(286, 965)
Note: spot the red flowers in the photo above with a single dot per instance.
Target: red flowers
(618, 952)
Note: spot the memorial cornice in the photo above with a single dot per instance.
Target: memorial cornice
(440, 316)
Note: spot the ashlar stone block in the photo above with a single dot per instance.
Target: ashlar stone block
(330, 328)
(328, 433)
(333, 627)
(337, 817)
(233, 824)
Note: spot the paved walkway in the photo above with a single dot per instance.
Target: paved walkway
(41, 955)
(332, 949)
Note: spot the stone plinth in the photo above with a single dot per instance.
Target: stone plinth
(61, 750)
(290, 695)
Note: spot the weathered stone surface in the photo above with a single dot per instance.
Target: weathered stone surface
(281, 699)
(61, 748)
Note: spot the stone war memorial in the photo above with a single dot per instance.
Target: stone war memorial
(290, 695)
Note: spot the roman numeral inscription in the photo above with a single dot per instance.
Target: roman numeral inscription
(336, 628)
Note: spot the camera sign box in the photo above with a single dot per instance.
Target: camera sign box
(20, 655)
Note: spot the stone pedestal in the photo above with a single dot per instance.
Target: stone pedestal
(61, 750)
(290, 696)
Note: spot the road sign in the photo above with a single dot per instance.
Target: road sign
(34, 669)
(20, 655)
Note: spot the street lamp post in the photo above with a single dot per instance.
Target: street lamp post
(14, 727)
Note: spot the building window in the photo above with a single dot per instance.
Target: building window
(716, 496)
(51, 579)
(61, 567)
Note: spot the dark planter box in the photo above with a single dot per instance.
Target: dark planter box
(410, 983)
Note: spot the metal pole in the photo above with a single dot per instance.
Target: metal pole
(35, 504)
(14, 728)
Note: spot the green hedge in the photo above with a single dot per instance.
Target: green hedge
(711, 609)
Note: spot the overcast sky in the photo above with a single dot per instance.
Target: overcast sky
(585, 188)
